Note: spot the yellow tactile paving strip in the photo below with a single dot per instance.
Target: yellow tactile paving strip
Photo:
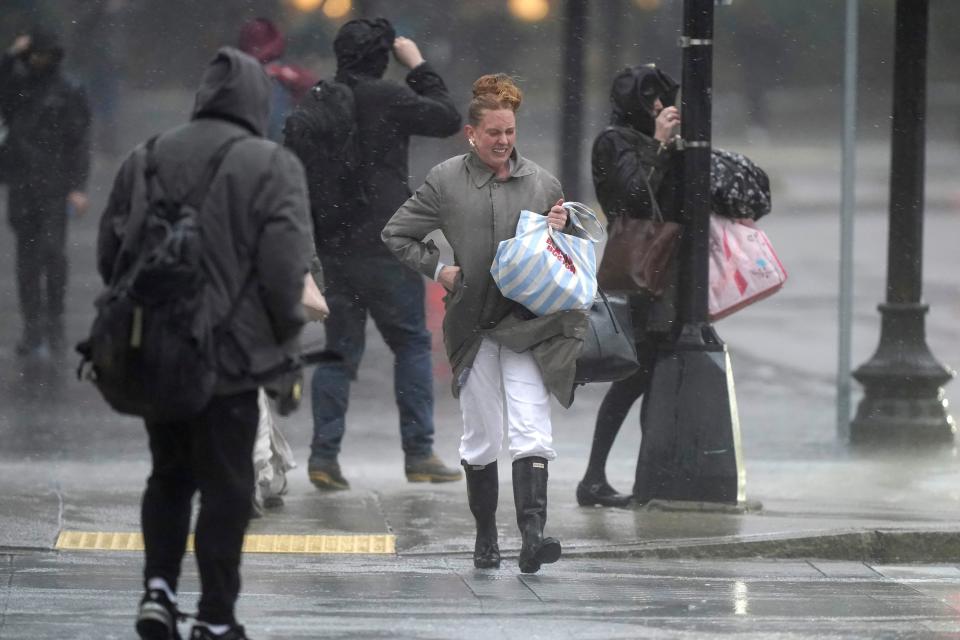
(253, 543)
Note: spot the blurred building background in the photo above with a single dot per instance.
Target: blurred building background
(777, 62)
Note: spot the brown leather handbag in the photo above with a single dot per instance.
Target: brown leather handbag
(637, 254)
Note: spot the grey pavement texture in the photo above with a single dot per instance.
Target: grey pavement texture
(85, 597)
(67, 462)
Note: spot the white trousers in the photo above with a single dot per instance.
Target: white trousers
(504, 389)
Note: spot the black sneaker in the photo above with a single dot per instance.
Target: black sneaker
(157, 617)
(202, 632)
(326, 476)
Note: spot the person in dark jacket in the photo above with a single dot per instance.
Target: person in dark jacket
(256, 215)
(632, 174)
(45, 160)
(362, 277)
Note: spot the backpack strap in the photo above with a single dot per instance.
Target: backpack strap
(136, 216)
(198, 195)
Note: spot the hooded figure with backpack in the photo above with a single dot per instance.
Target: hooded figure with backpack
(247, 198)
(353, 137)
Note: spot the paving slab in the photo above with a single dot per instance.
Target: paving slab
(81, 596)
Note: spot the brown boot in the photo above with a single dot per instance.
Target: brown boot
(430, 469)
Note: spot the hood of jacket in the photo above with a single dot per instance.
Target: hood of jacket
(633, 94)
(234, 87)
(363, 48)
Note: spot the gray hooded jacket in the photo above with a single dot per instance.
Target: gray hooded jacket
(255, 219)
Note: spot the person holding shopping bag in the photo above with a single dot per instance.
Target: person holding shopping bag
(633, 163)
(506, 361)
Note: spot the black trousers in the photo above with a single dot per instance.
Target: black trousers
(212, 453)
(39, 221)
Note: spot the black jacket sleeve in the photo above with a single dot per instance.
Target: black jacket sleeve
(8, 84)
(620, 178)
(426, 108)
(285, 248)
(76, 143)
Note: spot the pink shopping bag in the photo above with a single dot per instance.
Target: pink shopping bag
(744, 268)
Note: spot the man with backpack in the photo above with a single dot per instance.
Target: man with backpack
(353, 137)
(207, 223)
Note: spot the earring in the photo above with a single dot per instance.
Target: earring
(472, 143)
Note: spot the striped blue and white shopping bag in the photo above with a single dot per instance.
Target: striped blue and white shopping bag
(548, 271)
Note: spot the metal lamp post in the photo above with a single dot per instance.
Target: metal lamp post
(572, 88)
(691, 437)
(903, 383)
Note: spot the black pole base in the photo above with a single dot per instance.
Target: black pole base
(691, 431)
(904, 402)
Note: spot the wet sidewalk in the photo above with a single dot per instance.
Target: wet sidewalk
(88, 597)
(70, 464)
(394, 557)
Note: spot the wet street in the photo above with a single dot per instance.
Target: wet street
(834, 543)
(80, 596)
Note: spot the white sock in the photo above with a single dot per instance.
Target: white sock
(161, 585)
(215, 629)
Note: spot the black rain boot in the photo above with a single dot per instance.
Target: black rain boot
(530, 496)
(483, 492)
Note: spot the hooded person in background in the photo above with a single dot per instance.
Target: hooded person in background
(362, 277)
(256, 210)
(45, 160)
(633, 162)
(262, 39)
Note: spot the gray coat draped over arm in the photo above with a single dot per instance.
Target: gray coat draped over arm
(475, 212)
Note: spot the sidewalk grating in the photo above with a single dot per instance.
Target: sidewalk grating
(376, 544)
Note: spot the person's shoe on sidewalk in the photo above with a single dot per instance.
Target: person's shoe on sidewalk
(157, 616)
(430, 469)
(600, 494)
(326, 475)
(204, 631)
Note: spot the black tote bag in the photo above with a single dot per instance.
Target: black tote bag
(609, 353)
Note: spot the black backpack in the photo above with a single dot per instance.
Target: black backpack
(322, 132)
(151, 347)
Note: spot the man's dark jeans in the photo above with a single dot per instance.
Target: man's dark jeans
(393, 296)
(213, 453)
